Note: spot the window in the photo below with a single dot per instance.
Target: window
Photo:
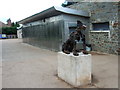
(72, 26)
(101, 26)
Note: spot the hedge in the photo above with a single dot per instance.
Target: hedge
(8, 30)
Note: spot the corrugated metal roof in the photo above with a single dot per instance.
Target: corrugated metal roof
(53, 11)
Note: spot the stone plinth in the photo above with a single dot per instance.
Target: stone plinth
(75, 70)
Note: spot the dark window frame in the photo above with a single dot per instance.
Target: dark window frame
(101, 26)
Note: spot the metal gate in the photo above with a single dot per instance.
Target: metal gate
(46, 35)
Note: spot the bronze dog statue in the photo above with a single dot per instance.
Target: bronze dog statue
(70, 44)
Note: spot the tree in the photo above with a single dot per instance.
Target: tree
(15, 24)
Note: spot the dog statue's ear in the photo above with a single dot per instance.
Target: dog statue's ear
(79, 23)
(84, 26)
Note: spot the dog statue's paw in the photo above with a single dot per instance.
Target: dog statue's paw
(66, 52)
(75, 53)
(85, 52)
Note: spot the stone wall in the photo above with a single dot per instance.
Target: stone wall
(102, 41)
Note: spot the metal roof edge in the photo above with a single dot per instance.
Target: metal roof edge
(56, 8)
(72, 11)
(35, 15)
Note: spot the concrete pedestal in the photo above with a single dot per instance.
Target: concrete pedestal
(75, 70)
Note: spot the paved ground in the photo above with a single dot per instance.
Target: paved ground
(26, 66)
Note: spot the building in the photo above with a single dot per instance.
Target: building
(104, 23)
(9, 22)
(50, 28)
(6, 25)
(19, 33)
(3, 24)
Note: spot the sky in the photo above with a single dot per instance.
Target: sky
(17, 10)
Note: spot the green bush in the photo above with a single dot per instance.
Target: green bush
(9, 30)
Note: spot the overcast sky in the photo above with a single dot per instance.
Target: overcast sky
(20, 9)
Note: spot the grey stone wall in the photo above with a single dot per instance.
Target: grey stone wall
(106, 41)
